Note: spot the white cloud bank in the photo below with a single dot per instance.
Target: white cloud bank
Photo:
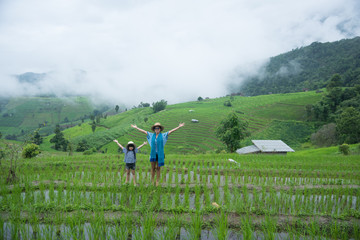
(134, 50)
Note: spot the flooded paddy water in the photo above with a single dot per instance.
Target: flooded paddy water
(298, 200)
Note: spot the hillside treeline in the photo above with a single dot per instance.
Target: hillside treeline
(307, 68)
(340, 109)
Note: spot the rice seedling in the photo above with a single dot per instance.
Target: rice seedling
(171, 229)
(196, 226)
(269, 228)
(246, 228)
(149, 225)
(221, 223)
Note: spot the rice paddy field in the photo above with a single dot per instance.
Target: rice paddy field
(205, 196)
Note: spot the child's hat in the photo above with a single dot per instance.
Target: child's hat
(157, 125)
(130, 143)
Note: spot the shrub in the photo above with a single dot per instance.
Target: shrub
(344, 149)
(227, 103)
(90, 151)
(31, 150)
(326, 136)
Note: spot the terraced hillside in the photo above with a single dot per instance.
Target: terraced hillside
(19, 115)
(278, 116)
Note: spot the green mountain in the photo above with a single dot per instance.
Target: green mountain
(277, 116)
(21, 115)
(307, 68)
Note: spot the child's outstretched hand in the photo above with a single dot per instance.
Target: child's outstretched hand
(115, 140)
(145, 143)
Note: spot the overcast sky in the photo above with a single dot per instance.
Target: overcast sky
(177, 50)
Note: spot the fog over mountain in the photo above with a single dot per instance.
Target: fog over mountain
(132, 51)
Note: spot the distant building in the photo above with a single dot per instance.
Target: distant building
(194, 120)
(266, 147)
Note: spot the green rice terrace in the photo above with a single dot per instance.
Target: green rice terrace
(277, 116)
(202, 196)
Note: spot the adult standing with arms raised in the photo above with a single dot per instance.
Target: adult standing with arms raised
(157, 141)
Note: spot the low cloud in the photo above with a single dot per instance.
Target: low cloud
(133, 51)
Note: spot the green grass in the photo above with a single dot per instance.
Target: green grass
(334, 150)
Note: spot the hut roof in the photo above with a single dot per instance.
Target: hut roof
(272, 146)
(266, 146)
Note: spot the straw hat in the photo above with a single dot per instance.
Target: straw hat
(130, 143)
(157, 125)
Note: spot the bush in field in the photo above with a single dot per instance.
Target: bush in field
(231, 131)
(344, 149)
(227, 103)
(31, 150)
(326, 136)
(90, 151)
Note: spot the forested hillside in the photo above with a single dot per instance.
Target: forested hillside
(307, 68)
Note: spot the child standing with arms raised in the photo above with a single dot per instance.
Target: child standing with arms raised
(130, 158)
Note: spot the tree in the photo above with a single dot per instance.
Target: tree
(117, 108)
(37, 139)
(12, 153)
(335, 81)
(0, 135)
(59, 140)
(348, 125)
(82, 146)
(142, 105)
(200, 99)
(98, 117)
(93, 126)
(158, 106)
(231, 131)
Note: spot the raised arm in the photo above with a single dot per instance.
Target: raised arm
(142, 145)
(173, 130)
(139, 129)
(118, 144)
